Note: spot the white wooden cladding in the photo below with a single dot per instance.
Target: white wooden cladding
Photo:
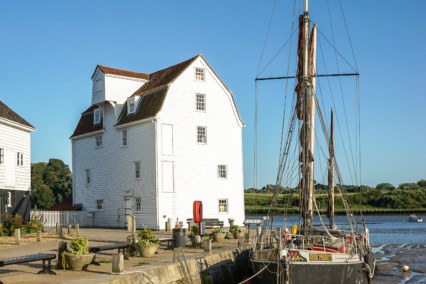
(175, 169)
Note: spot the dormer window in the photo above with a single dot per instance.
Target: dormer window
(97, 116)
(131, 105)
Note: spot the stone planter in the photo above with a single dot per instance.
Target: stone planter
(78, 261)
(146, 250)
(219, 237)
(238, 235)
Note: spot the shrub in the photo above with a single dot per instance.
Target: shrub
(79, 246)
(146, 242)
(146, 234)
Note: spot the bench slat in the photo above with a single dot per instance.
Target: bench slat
(27, 258)
(108, 247)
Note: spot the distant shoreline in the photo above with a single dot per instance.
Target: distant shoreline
(342, 213)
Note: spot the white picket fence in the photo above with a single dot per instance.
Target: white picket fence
(50, 218)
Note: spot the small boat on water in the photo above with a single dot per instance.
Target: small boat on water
(414, 218)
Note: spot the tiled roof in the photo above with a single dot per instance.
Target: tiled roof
(7, 113)
(65, 205)
(164, 77)
(152, 95)
(120, 72)
(85, 125)
(149, 106)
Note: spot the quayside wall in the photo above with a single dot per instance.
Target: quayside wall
(221, 266)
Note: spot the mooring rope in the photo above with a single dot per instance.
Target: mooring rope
(244, 281)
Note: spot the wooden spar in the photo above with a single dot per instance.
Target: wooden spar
(312, 70)
(330, 211)
(308, 125)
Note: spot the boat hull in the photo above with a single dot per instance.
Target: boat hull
(311, 273)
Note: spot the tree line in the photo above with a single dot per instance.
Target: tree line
(51, 183)
(383, 196)
(323, 188)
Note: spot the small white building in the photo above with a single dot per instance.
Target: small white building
(151, 144)
(15, 163)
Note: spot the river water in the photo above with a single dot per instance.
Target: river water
(384, 229)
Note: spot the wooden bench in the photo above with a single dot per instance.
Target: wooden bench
(121, 247)
(210, 222)
(170, 242)
(31, 258)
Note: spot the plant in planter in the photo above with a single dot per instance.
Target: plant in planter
(147, 248)
(237, 231)
(192, 234)
(78, 258)
(147, 244)
(219, 234)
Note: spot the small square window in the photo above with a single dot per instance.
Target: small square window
(1, 155)
(88, 179)
(202, 134)
(137, 169)
(222, 171)
(138, 204)
(223, 205)
(98, 140)
(199, 74)
(200, 102)
(97, 116)
(131, 105)
(100, 205)
(124, 137)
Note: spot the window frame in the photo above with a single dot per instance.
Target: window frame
(222, 173)
(199, 75)
(197, 103)
(88, 179)
(200, 136)
(99, 205)
(19, 159)
(9, 199)
(124, 138)
(97, 116)
(99, 141)
(1, 155)
(138, 171)
(131, 101)
(138, 204)
(225, 204)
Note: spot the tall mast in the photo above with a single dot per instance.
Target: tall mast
(308, 126)
(330, 211)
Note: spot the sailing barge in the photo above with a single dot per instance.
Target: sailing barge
(308, 254)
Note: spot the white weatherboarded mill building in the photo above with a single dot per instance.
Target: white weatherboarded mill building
(151, 144)
(15, 163)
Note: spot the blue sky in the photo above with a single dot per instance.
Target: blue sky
(49, 50)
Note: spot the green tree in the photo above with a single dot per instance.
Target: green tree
(51, 183)
(59, 179)
(422, 183)
(385, 186)
(409, 186)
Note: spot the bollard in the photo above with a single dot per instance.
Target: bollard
(61, 248)
(207, 246)
(117, 263)
(69, 229)
(38, 235)
(77, 230)
(57, 227)
(60, 232)
(169, 225)
(17, 236)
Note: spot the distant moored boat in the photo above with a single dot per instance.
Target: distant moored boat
(414, 218)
